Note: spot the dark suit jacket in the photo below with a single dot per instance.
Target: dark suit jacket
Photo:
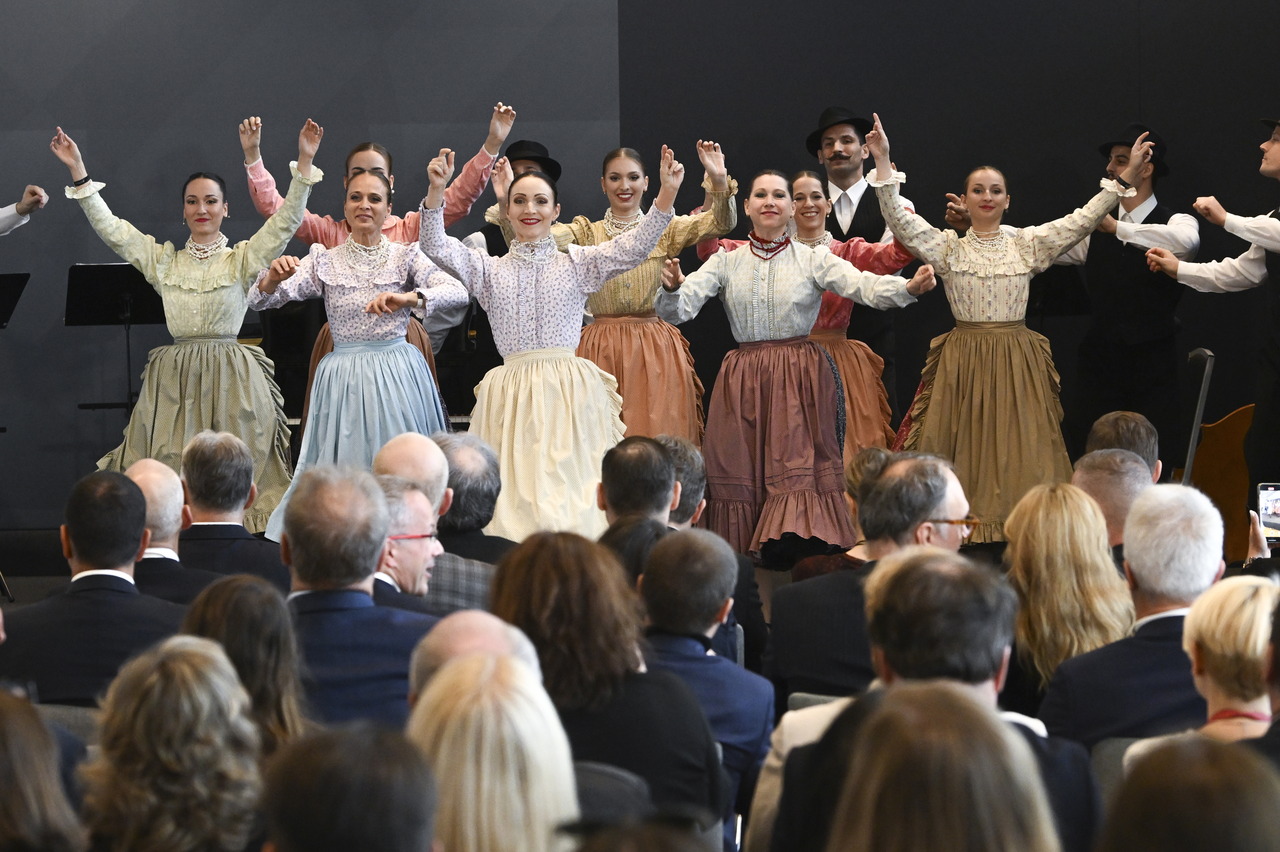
(71, 645)
(812, 776)
(230, 549)
(385, 594)
(170, 580)
(819, 638)
(738, 705)
(749, 612)
(1268, 745)
(1139, 686)
(475, 545)
(356, 655)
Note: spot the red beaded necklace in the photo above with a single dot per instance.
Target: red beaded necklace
(765, 249)
(1239, 714)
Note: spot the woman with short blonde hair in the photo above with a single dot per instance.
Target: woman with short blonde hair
(178, 767)
(490, 731)
(1071, 598)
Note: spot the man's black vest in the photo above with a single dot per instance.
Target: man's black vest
(1129, 300)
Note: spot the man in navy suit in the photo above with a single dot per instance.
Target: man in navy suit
(404, 572)
(687, 588)
(70, 646)
(355, 653)
(1141, 686)
(160, 572)
(217, 477)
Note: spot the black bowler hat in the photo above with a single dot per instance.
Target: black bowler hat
(1271, 123)
(831, 116)
(523, 149)
(1130, 135)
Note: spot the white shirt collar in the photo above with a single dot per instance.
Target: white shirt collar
(160, 552)
(1169, 613)
(854, 192)
(1139, 214)
(104, 572)
(379, 575)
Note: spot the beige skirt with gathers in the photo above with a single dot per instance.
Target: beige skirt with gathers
(210, 383)
(988, 400)
(866, 402)
(661, 393)
(772, 451)
(551, 417)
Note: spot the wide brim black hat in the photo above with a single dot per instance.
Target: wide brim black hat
(1129, 135)
(525, 149)
(1271, 123)
(831, 116)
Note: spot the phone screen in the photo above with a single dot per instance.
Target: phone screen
(1269, 510)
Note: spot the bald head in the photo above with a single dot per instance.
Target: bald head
(163, 492)
(418, 459)
(1113, 478)
(461, 634)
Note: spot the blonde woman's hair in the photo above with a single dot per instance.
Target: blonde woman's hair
(178, 766)
(491, 733)
(1071, 596)
(1229, 626)
(934, 769)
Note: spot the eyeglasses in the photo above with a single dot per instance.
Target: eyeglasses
(411, 536)
(971, 522)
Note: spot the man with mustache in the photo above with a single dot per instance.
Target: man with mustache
(838, 145)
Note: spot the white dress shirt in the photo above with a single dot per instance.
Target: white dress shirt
(1181, 235)
(845, 203)
(10, 218)
(1236, 273)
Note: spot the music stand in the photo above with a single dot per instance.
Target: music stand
(112, 294)
(11, 285)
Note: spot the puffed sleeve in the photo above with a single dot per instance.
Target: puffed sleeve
(684, 304)
(304, 283)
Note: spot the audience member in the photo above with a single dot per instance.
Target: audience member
(638, 477)
(1114, 479)
(571, 598)
(250, 619)
(1195, 795)
(934, 768)
(1268, 745)
(487, 726)
(1141, 686)
(404, 570)
(217, 477)
(356, 654)
(357, 787)
(459, 634)
(868, 459)
(35, 815)
(1127, 430)
(657, 835)
(177, 770)
(1226, 636)
(420, 460)
(748, 611)
(159, 572)
(687, 589)
(476, 484)
(69, 647)
(1071, 600)
(631, 538)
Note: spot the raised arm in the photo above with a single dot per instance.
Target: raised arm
(138, 249)
(912, 230)
(475, 175)
(275, 233)
(467, 265)
(719, 214)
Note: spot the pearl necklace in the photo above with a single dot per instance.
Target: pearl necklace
(615, 227)
(990, 243)
(541, 251)
(367, 258)
(204, 251)
(824, 240)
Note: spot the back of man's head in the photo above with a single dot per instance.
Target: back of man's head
(1173, 544)
(689, 576)
(162, 489)
(475, 478)
(418, 459)
(1126, 430)
(358, 787)
(105, 516)
(1113, 478)
(335, 527)
(904, 493)
(934, 614)
(639, 477)
(218, 470)
(466, 632)
(691, 473)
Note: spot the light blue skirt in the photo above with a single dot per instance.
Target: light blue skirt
(364, 395)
